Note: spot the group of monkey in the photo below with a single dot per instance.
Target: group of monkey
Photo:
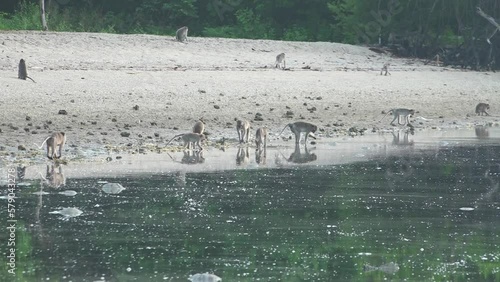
(181, 36)
(58, 139)
(243, 129)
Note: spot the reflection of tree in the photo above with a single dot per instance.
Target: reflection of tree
(399, 169)
(180, 178)
(309, 223)
(491, 195)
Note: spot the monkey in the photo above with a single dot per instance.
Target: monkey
(280, 59)
(398, 113)
(481, 108)
(243, 129)
(261, 137)
(54, 140)
(182, 34)
(301, 126)
(199, 127)
(23, 72)
(386, 69)
(188, 138)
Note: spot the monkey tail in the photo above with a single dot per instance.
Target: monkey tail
(31, 79)
(284, 129)
(178, 135)
(312, 135)
(41, 175)
(42, 142)
(388, 112)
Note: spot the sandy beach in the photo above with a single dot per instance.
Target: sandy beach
(98, 79)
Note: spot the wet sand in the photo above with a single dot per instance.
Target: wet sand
(98, 79)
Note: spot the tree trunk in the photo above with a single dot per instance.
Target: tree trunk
(42, 14)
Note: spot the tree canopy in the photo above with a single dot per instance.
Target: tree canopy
(422, 27)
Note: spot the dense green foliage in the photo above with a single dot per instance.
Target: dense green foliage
(350, 21)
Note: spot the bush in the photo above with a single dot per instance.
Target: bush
(296, 33)
(27, 17)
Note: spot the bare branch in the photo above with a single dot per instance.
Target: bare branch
(491, 20)
(487, 17)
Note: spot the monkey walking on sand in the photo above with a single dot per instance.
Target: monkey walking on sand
(199, 127)
(190, 138)
(243, 129)
(301, 126)
(385, 68)
(481, 109)
(261, 137)
(400, 113)
(54, 140)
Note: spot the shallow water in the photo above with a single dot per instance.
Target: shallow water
(408, 210)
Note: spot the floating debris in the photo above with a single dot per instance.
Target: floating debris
(204, 277)
(112, 188)
(68, 212)
(467, 209)
(389, 268)
(39, 193)
(68, 193)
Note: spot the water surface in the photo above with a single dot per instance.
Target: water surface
(407, 210)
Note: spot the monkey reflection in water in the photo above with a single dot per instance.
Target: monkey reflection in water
(260, 155)
(193, 157)
(481, 132)
(190, 157)
(300, 158)
(404, 141)
(242, 156)
(53, 178)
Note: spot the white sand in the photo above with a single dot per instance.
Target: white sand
(98, 77)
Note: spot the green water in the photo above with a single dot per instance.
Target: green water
(433, 213)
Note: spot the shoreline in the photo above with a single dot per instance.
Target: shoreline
(98, 79)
